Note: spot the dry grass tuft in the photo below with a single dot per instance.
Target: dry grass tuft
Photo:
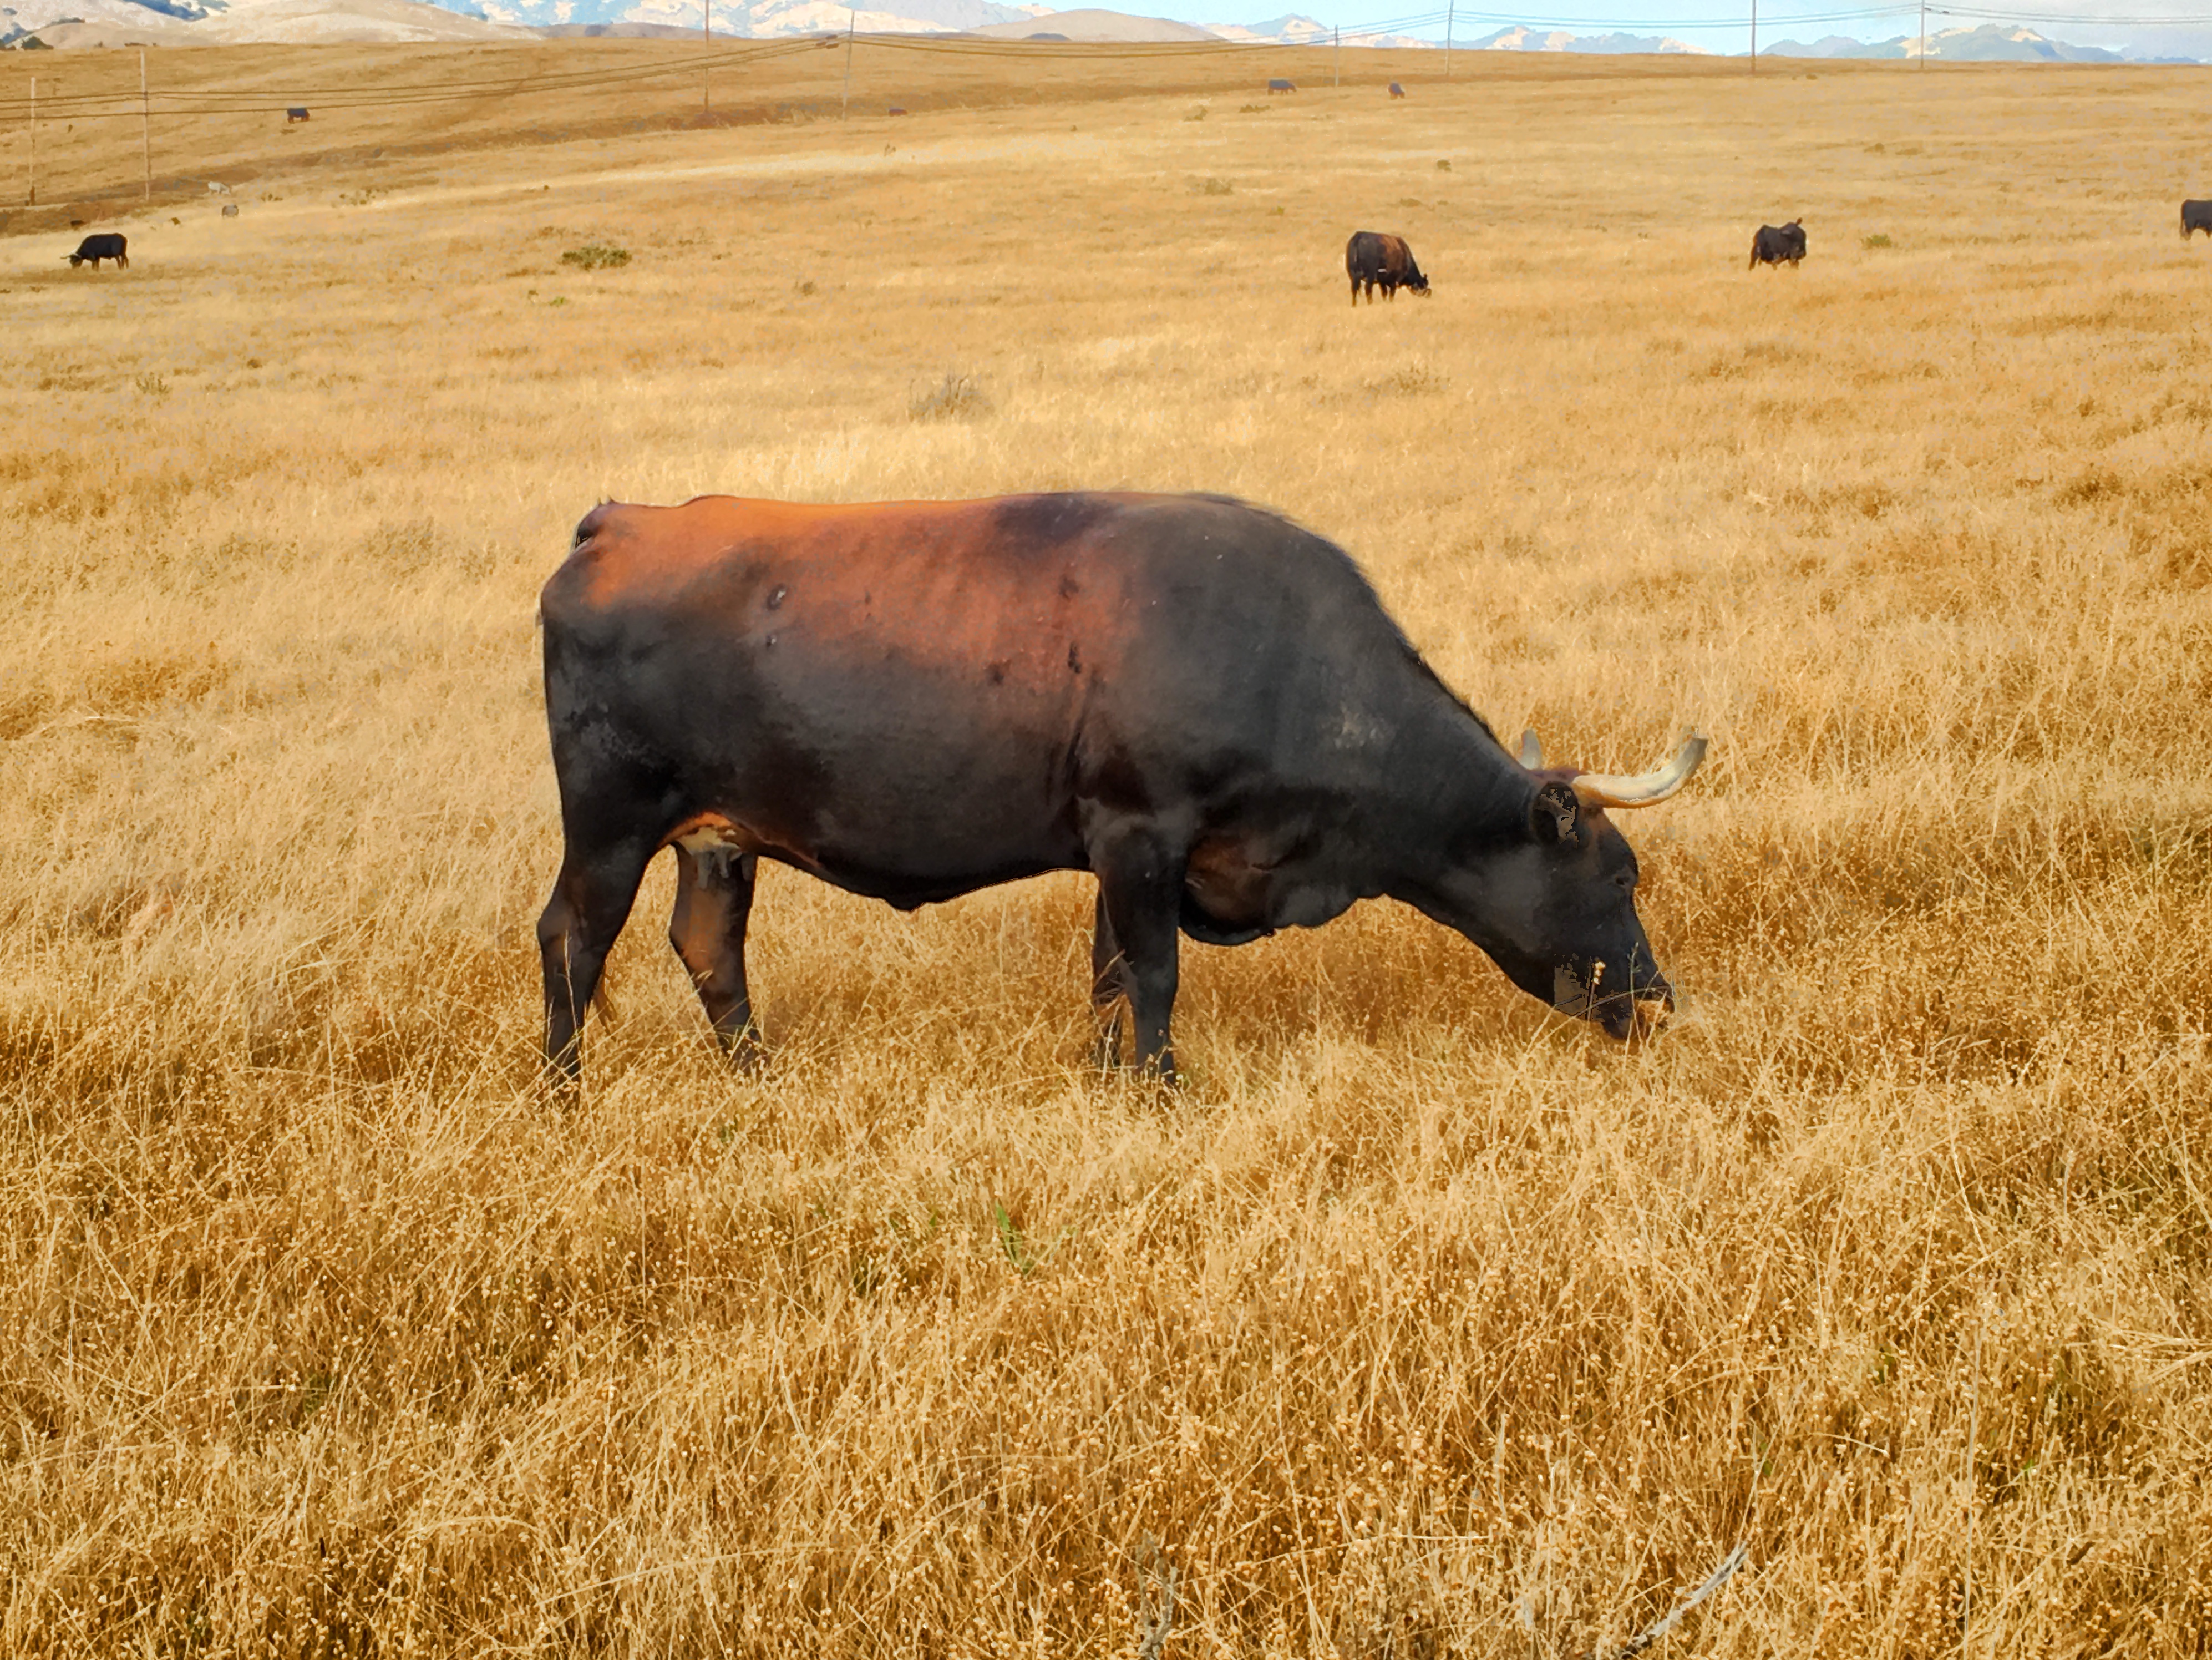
(1418, 1323)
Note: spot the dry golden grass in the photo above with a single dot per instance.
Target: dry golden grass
(1419, 1322)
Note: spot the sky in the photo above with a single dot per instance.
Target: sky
(2183, 26)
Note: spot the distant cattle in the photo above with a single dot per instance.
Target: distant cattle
(1773, 245)
(108, 246)
(2196, 215)
(1281, 86)
(230, 210)
(1397, 91)
(895, 110)
(295, 113)
(1376, 260)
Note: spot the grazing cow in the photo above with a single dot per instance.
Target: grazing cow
(1281, 86)
(1773, 244)
(2195, 216)
(1397, 91)
(108, 246)
(1378, 260)
(295, 113)
(1199, 702)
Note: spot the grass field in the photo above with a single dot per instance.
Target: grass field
(1419, 1323)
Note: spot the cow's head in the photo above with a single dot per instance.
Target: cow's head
(1419, 284)
(1554, 905)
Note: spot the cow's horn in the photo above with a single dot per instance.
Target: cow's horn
(1532, 750)
(1646, 789)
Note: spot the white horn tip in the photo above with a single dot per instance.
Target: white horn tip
(1532, 750)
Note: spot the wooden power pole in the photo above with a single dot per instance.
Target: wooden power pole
(35, 141)
(145, 126)
(845, 108)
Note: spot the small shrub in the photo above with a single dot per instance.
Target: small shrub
(1877, 241)
(1198, 114)
(956, 397)
(153, 384)
(1212, 187)
(594, 256)
(1251, 109)
(1411, 380)
(1443, 166)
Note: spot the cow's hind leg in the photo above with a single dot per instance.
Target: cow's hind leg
(1109, 987)
(714, 898)
(1140, 879)
(591, 901)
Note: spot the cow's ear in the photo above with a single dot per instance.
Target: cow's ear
(1552, 813)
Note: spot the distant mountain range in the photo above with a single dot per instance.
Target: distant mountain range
(116, 23)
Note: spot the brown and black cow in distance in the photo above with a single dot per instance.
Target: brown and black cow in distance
(1278, 84)
(2195, 216)
(1397, 91)
(1197, 701)
(1775, 244)
(109, 245)
(1377, 259)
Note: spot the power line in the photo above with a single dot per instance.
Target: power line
(216, 101)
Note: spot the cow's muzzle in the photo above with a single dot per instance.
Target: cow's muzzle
(1635, 1011)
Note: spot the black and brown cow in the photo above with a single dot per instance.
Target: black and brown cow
(2195, 216)
(1375, 260)
(1197, 701)
(1776, 245)
(107, 245)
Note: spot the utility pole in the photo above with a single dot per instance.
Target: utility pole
(35, 141)
(1451, 8)
(1923, 33)
(845, 108)
(1336, 69)
(705, 38)
(1754, 36)
(145, 126)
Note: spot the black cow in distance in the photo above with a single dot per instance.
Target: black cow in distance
(1375, 260)
(1776, 245)
(107, 245)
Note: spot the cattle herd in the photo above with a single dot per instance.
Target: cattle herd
(1201, 704)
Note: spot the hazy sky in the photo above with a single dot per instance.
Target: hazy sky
(2175, 26)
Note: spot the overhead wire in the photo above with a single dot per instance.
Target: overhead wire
(216, 101)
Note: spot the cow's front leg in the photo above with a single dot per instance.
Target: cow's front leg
(1107, 990)
(1141, 876)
